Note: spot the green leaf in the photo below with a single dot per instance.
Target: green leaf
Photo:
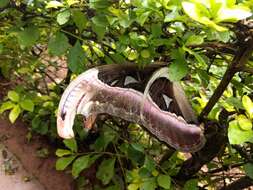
(113, 187)
(141, 18)
(14, 113)
(200, 13)
(99, 30)
(99, 4)
(233, 101)
(135, 155)
(71, 144)
(72, 2)
(63, 17)
(219, 36)
(76, 58)
(6, 106)
(195, 10)
(1, 48)
(148, 184)
(144, 172)
(58, 44)
(133, 186)
(63, 162)
(28, 36)
(13, 96)
(204, 77)
(105, 138)
(156, 30)
(79, 19)
(106, 171)
(80, 164)
(248, 105)
(191, 184)
(62, 152)
(124, 20)
(194, 40)
(100, 20)
(132, 55)
(196, 55)
(178, 69)
(238, 136)
(4, 3)
(39, 125)
(232, 14)
(248, 168)
(138, 147)
(93, 159)
(27, 105)
(173, 15)
(164, 181)
(149, 163)
(244, 122)
(145, 53)
(54, 4)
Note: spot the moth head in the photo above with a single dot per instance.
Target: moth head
(65, 121)
(73, 102)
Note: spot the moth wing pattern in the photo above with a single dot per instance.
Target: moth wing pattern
(161, 91)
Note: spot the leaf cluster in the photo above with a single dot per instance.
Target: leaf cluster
(204, 43)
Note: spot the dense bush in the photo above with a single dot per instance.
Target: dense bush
(207, 43)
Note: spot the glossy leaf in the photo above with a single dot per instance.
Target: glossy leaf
(62, 152)
(54, 4)
(99, 4)
(14, 113)
(149, 163)
(164, 181)
(178, 69)
(133, 186)
(199, 12)
(58, 44)
(27, 105)
(238, 136)
(76, 58)
(28, 36)
(13, 96)
(80, 164)
(145, 53)
(244, 122)
(63, 17)
(233, 14)
(194, 40)
(249, 169)
(6, 106)
(71, 144)
(106, 170)
(191, 184)
(148, 184)
(62, 163)
(80, 19)
(100, 20)
(248, 105)
(4, 3)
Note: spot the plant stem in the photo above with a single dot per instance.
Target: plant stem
(240, 59)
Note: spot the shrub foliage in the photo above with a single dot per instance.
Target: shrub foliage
(207, 43)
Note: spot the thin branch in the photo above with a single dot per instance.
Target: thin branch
(238, 62)
(247, 70)
(217, 170)
(243, 152)
(241, 183)
(224, 48)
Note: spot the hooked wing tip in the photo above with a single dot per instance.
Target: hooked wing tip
(63, 131)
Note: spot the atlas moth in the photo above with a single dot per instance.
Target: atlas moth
(140, 95)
